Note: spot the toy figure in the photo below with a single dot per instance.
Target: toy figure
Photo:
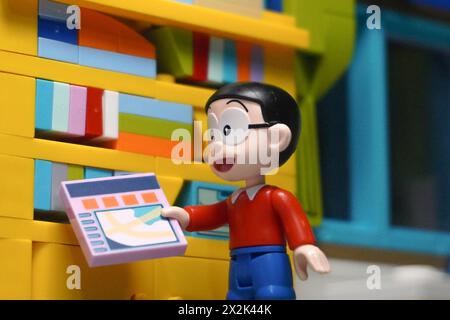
(248, 119)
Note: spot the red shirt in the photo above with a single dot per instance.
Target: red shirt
(271, 217)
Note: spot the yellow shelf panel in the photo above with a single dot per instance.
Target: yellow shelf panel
(51, 232)
(32, 66)
(37, 231)
(75, 154)
(113, 159)
(164, 12)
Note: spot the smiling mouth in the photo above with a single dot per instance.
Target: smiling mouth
(224, 166)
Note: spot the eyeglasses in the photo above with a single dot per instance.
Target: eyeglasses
(233, 127)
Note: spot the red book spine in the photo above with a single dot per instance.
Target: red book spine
(94, 113)
(201, 56)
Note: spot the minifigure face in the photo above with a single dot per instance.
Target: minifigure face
(242, 144)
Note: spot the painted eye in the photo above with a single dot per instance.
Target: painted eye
(226, 130)
(233, 125)
(213, 127)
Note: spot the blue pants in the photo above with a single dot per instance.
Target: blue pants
(262, 272)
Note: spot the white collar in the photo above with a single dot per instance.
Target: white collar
(251, 192)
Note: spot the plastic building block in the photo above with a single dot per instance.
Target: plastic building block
(153, 108)
(194, 193)
(171, 186)
(118, 62)
(257, 64)
(201, 52)
(23, 148)
(75, 172)
(152, 146)
(44, 104)
(288, 183)
(58, 50)
(106, 33)
(32, 66)
(17, 104)
(215, 62)
(230, 62)
(110, 110)
(150, 126)
(251, 8)
(94, 113)
(274, 5)
(98, 31)
(278, 66)
(202, 193)
(15, 269)
(177, 276)
(194, 172)
(110, 116)
(16, 183)
(133, 43)
(233, 25)
(244, 53)
(59, 174)
(51, 10)
(185, 1)
(77, 110)
(91, 173)
(57, 30)
(42, 185)
(123, 233)
(18, 26)
(174, 49)
(97, 283)
(121, 173)
(60, 110)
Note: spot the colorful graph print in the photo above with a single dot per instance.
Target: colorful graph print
(134, 227)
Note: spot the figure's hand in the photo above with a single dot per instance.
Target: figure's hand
(178, 214)
(310, 255)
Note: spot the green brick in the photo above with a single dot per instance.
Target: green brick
(153, 127)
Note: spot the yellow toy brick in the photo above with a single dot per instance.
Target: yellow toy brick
(191, 278)
(206, 248)
(16, 183)
(171, 186)
(79, 154)
(288, 183)
(250, 8)
(75, 74)
(60, 272)
(279, 64)
(290, 167)
(15, 269)
(18, 26)
(17, 101)
(201, 19)
(40, 231)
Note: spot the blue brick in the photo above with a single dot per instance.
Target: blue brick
(42, 185)
(92, 173)
(57, 30)
(58, 50)
(153, 108)
(53, 10)
(44, 104)
(274, 5)
(230, 62)
(118, 62)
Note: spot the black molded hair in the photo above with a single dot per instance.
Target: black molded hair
(276, 105)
